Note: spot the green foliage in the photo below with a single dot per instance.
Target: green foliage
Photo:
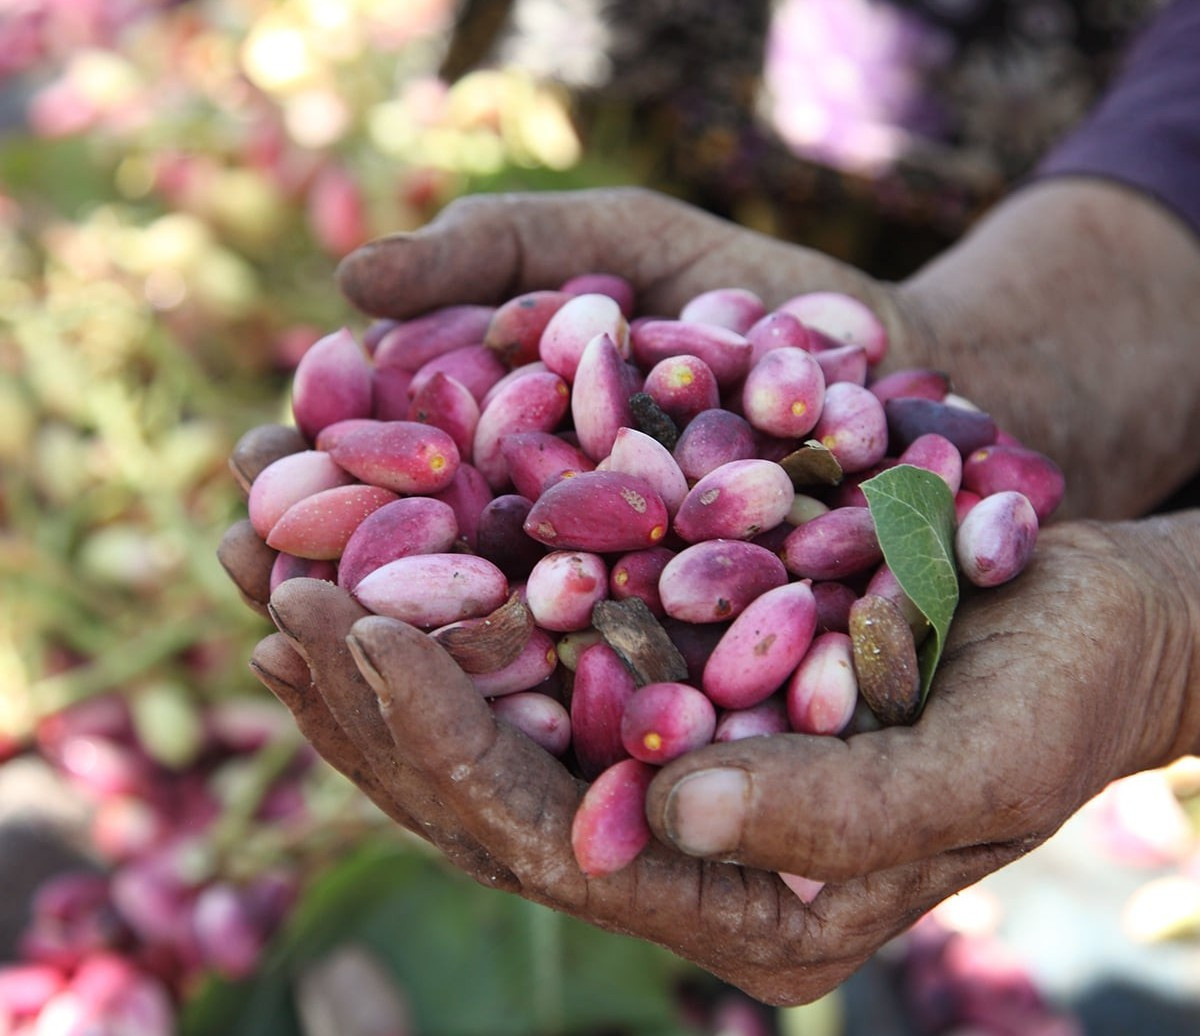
(166, 254)
(470, 961)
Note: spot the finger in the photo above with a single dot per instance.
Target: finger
(315, 617)
(830, 809)
(519, 802)
(261, 446)
(247, 561)
(509, 793)
(286, 675)
(490, 248)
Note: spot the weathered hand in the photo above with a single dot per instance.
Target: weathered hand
(1075, 674)
(1071, 676)
(307, 666)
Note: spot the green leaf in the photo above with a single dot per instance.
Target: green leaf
(914, 519)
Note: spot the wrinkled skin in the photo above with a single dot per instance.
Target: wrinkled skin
(1078, 672)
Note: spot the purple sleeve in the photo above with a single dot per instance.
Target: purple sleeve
(1145, 132)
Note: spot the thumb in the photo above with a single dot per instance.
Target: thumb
(832, 810)
(1036, 707)
(816, 806)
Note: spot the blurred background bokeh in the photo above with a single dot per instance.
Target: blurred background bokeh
(177, 183)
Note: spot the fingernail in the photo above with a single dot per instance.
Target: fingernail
(280, 625)
(369, 670)
(240, 474)
(349, 270)
(706, 810)
(272, 681)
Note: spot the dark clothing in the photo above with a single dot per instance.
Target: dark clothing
(1146, 131)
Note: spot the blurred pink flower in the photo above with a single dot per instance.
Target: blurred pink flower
(22, 35)
(1139, 821)
(846, 80)
(37, 31)
(959, 983)
(61, 109)
(109, 994)
(337, 213)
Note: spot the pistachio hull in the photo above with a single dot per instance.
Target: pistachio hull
(577, 323)
(403, 456)
(332, 382)
(636, 453)
(683, 386)
(516, 326)
(431, 590)
(726, 352)
(410, 344)
(714, 581)
(663, 721)
(610, 829)
(784, 393)
(737, 309)
(885, 660)
(999, 467)
(713, 438)
(541, 718)
(602, 688)
(738, 500)
(599, 511)
(319, 526)
(996, 540)
(563, 588)
(834, 545)
(823, 690)
(288, 480)
(535, 402)
(411, 525)
(762, 647)
(841, 317)
(533, 665)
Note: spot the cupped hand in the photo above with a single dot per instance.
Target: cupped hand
(1050, 687)
(1069, 677)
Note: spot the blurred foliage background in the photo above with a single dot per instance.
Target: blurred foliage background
(177, 183)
